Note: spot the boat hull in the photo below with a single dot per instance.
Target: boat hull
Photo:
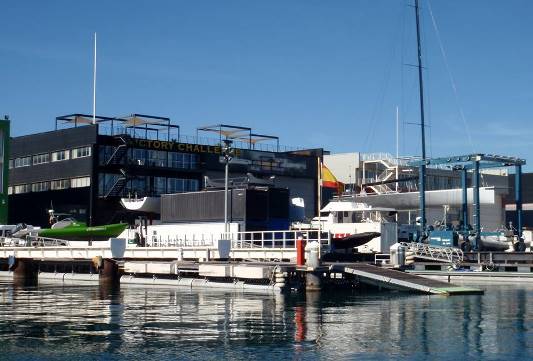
(82, 233)
(354, 240)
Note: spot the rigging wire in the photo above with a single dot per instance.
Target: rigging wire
(402, 95)
(452, 80)
(378, 106)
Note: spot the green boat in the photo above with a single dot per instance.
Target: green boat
(72, 230)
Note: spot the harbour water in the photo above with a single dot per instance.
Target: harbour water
(92, 323)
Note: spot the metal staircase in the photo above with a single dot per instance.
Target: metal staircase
(118, 186)
(388, 173)
(120, 150)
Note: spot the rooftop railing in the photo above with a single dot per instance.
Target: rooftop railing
(175, 136)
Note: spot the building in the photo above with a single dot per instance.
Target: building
(374, 175)
(527, 200)
(83, 168)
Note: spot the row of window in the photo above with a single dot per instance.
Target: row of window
(146, 185)
(57, 184)
(57, 156)
(152, 158)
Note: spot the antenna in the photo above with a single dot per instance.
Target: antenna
(94, 81)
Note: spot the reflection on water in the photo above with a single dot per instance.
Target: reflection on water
(93, 323)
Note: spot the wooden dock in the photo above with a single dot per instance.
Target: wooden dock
(397, 280)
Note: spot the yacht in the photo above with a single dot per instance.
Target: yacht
(356, 225)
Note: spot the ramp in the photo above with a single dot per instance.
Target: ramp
(402, 281)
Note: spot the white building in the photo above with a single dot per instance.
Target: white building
(370, 177)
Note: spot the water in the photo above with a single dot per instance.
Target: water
(91, 323)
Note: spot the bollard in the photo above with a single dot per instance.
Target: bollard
(312, 259)
(300, 251)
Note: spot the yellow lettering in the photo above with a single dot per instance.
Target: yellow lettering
(196, 148)
(188, 147)
(142, 143)
(156, 144)
(181, 147)
(165, 145)
(217, 150)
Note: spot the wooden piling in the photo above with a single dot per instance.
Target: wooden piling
(25, 272)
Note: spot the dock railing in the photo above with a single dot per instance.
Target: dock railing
(32, 241)
(285, 239)
(275, 241)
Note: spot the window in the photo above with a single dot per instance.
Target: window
(182, 160)
(9, 190)
(11, 164)
(60, 184)
(106, 181)
(138, 156)
(81, 152)
(40, 186)
(41, 158)
(60, 155)
(105, 152)
(80, 182)
(192, 185)
(22, 188)
(175, 185)
(160, 185)
(22, 162)
(157, 158)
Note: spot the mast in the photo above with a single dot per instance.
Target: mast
(422, 171)
(397, 145)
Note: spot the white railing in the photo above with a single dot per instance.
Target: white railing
(32, 241)
(276, 239)
(202, 240)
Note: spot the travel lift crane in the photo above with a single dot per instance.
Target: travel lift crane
(473, 162)
(465, 163)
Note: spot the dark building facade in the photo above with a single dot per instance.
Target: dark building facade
(85, 169)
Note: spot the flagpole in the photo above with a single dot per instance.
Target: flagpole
(94, 81)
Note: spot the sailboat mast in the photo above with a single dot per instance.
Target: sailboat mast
(422, 171)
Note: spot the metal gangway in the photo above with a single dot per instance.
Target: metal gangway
(439, 254)
(401, 281)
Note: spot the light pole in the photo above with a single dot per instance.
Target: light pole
(227, 151)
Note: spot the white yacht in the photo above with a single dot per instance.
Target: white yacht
(356, 225)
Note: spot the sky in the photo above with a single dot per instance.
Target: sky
(316, 73)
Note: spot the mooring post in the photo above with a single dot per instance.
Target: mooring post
(109, 272)
(25, 272)
(109, 267)
(313, 279)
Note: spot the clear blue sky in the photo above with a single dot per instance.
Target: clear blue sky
(316, 73)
